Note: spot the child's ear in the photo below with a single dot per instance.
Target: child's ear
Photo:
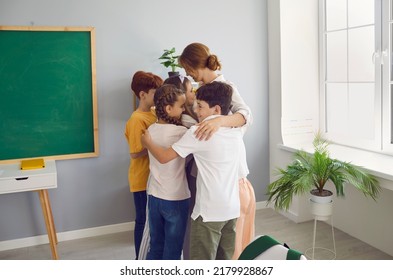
(142, 94)
(168, 109)
(217, 109)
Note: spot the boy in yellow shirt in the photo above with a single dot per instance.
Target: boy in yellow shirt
(144, 85)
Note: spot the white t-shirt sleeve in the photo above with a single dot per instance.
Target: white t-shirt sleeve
(187, 144)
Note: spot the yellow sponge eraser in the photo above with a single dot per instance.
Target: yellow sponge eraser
(32, 164)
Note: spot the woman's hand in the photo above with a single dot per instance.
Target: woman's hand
(207, 128)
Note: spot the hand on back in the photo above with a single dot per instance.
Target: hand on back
(207, 128)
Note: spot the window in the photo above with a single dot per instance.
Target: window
(356, 84)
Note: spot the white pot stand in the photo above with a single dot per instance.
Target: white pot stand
(322, 211)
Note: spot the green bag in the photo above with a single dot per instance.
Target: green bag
(263, 243)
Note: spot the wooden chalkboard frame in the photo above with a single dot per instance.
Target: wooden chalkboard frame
(94, 149)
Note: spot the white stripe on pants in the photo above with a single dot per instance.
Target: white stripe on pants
(145, 242)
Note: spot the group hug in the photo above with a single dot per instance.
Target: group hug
(188, 168)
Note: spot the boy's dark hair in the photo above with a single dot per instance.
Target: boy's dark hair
(145, 81)
(179, 81)
(216, 93)
(166, 95)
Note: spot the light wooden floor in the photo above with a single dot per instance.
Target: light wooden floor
(119, 246)
(299, 237)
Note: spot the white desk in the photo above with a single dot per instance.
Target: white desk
(13, 180)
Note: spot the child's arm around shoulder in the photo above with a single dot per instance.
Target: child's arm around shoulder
(138, 155)
(163, 155)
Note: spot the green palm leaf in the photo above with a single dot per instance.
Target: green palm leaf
(308, 171)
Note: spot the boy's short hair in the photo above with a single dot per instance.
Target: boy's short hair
(179, 81)
(216, 93)
(145, 81)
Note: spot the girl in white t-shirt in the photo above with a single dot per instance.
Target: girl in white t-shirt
(168, 193)
(188, 119)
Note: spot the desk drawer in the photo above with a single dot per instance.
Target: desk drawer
(28, 183)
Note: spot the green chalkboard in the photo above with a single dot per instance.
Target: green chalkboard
(48, 102)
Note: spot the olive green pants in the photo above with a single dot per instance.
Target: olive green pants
(212, 240)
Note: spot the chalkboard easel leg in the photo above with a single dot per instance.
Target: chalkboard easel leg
(47, 212)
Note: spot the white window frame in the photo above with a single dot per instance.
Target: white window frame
(382, 143)
(387, 120)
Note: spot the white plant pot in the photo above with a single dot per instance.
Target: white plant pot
(321, 211)
(321, 207)
(321, 199)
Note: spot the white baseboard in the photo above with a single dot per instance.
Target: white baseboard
(286, 213)
(65, 236)
(261, 205)
(77, 234)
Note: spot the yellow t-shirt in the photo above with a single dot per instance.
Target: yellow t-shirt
(138, 171)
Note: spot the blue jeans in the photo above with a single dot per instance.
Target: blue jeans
(140, 200)
(167, 222)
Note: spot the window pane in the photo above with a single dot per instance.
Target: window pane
(360, 12)
(391, 10)
(336, 14)
(361, 110)
(336, 56)
(360, 49)
(337, 108)
(352, 35)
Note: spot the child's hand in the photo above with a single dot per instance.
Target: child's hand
(207, 128)
(146, 138)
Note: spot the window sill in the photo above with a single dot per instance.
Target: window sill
(377, 164)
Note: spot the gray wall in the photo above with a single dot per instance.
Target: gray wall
(130, 36)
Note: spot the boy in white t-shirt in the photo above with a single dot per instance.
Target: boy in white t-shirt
(217, 204)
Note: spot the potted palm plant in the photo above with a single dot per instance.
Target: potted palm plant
(169, 60)
(310, 173)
